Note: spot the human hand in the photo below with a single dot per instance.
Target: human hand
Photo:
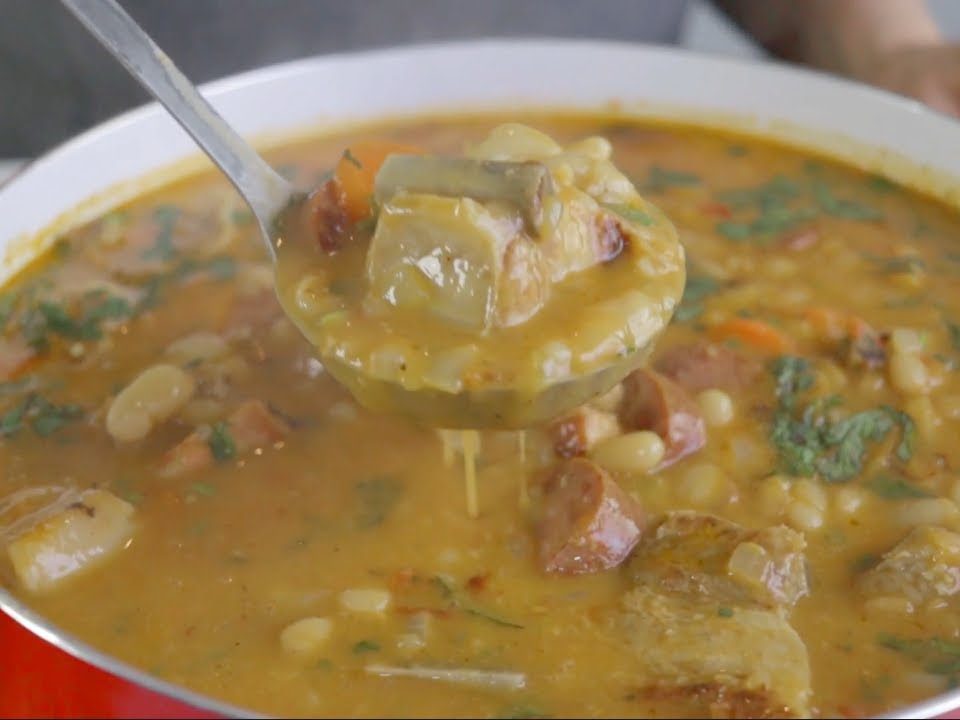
(929, 73)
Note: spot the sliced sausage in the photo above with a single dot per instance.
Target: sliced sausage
(326, 217)
(251, 425)
(15, 354)
(652, 401)
(703, 365)
(576, 433)
(589, 523)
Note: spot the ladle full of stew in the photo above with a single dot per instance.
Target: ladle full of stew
(498, 288)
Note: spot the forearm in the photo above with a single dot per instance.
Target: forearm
(841, 36)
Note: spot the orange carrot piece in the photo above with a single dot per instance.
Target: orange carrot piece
(826, 322)
(755, 333)
(834, 324)
(357, 170)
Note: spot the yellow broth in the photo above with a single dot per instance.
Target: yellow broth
(224, 558)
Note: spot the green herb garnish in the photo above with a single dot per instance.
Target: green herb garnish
(221, 442)
(953, 330)
(365, 646)
(810, 443)
(895, 487)
(841, 208)
(449, 593)
(352, 159)
(376, 496)
(165, 218)
(937, 655)
(44, 417)
(203, 489)
(725, 612)
(659, 179)
(630, 214)
(697, 289)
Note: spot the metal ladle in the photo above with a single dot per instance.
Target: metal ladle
(270, 196)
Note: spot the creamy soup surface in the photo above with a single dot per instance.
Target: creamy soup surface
(762, 522)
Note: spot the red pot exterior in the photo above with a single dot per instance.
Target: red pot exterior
(38, 680)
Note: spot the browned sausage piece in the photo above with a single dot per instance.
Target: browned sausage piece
(589, 523)
(652, 401)
(701, 366)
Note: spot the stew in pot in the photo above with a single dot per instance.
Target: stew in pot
(761, 521)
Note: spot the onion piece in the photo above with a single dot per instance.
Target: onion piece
(493, 679)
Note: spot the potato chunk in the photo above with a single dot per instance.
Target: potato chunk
(76, 539)
(923, 567)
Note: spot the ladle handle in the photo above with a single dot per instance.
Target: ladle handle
(265, 190)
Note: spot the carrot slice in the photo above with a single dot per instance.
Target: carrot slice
(834, 324)
(357, 170)
(755, 333)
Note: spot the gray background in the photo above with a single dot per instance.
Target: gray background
(707, 30)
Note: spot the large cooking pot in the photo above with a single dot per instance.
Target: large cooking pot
(44, 671)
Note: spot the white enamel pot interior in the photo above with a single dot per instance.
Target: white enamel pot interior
(812, 109)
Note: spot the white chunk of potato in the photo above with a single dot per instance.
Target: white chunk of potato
(372, 601)
(515, 142)
(306, 637)
(448, 257)
(78, 538)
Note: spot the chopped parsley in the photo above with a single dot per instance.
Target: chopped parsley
(44, 417)
(659, 179)
(165, 218)
(771, 204)
(352, 159)
(221, 442)
(203, 489)
(725, 612)
(365, 646)
(895, 487)
(697, 289)
(7, 302)
(953, 330)
(630, 213)
(880, 184)
(841, 208)
(936, 655)
(376, 497)
(449, 593)
(810, 443)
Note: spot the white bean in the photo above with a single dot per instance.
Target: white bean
(950, 406)
(313, 296)
(373, 601)
(810, 492)
(920, 408)
(804, 516)
(197, 346)
(705, 484)
(306, 637)
(908, 374)
(848, 499)
(927, 511)
(906, 341)
(637, 452)
(716, 406)
(774, 495)
(152, 397)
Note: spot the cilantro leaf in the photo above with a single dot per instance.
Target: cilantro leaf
(221, 442)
